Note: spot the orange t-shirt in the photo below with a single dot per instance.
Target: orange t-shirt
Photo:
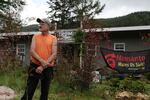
(43, 47)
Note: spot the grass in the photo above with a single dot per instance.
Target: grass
(17, 81)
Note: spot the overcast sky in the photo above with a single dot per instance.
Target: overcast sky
(113, 8)
(116, 8)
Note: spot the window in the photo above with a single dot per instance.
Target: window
(92, 49)
(20, 51)
(119, 46)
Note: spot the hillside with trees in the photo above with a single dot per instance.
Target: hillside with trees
(30, 28)
(133, 19)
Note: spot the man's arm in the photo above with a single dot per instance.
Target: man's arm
(35, 55)
(54, 51)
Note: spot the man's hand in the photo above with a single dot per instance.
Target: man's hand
(44, 63)
(39, 70)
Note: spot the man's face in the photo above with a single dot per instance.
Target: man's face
(43, 27)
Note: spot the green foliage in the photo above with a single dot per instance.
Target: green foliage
(3, 4)
(62, 74)
(127, 84)
(147, 75)
(10, 64)
(132, 85)
(127, 20)
(10, 15)
(67, 12)
(136, 86)
(88, 8)
(114, 82)
(78, 36)
(101, 91)
(14, 79)
(60, 11)
(30, 28)
(133, 19)
(17, 81)
(13, 5)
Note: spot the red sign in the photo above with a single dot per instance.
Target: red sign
(127, 62)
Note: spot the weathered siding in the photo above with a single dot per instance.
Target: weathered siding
(27, 41)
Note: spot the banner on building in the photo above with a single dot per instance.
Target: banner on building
(127, 62)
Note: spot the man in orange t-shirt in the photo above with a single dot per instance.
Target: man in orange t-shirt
(43, 53)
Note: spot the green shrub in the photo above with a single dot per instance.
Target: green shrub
(135, 86)
(123, 84)
(128, 84)
(147, 75)
(114, 82)
(9, 65)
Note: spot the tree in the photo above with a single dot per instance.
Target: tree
(133, 19)
(10, 15)
(86, 40)
(87, 9)
(84, 10)
(60, 11)
(10, 23)
(69, 11)
(77, 10)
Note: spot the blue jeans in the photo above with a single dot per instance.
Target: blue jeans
(33, 79)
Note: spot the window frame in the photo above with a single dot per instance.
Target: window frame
(23, 46)
(118, 49)
(95, 49)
